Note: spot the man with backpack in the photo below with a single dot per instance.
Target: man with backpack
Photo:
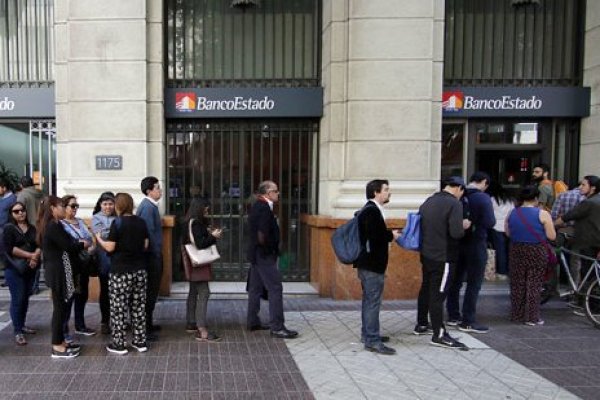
(372, 263)
(477, 207)
(442, 226)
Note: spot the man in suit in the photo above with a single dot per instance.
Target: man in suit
(372, 263)
(263, 251)
(148, 211)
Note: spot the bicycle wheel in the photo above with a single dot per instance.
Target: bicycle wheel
(592, 303)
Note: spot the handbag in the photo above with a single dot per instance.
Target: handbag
(200, 256)
(18, 264)
(552, 259)
(202, 273)
(87, 260)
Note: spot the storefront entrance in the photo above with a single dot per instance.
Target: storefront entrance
(224, 161)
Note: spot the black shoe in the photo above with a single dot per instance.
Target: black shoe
(73, 346)
(140, 347)
(191, 328)
(153, 328)
(284, 334)
(85, 331)
(121, 350)
(423, 330)
(449, 342)
(105, 329)
(151, 337)
(381, 349)
(259, 328)
(473, 328)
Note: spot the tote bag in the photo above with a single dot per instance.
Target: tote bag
(200, 256)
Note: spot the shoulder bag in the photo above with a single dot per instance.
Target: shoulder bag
(200, 257)
(87, 260)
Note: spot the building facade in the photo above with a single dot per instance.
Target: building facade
(320, 95)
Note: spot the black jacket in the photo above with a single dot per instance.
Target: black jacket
(264, 231)
(375, 239)
(441, 227)
(587, 222)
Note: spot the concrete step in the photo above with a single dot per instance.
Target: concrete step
(237, 290)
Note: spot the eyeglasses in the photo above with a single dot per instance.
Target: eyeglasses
(18, 211)
(74, 206)
(273, 190)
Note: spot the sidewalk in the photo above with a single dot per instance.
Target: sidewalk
(560, 360)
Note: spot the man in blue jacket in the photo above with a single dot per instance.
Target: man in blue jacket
(148, 211)
(477, 208)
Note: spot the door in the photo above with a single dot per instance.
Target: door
(511, 168)
(225, 161)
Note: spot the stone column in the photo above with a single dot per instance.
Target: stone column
(109, 95)
(382, 74)
(589, 163)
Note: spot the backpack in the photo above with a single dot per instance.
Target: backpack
(559, 187)
(411, 234)
(346, 240)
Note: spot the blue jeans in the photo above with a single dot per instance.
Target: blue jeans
(19, 287)
(372, 288)
(500, 244)
(471, 265)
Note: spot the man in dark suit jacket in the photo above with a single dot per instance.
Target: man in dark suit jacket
(263, 251)
(372, 263)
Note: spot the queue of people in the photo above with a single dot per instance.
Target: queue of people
(124, 250)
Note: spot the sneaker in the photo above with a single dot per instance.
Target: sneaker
(68, 353)
(579, 313)
(453, 322)
(69, 339)
(73, 346)
(140, 347)
(423, 330)
(28, 331)
(381, 349)
(473, 328)
(113, 348)
(20, 339)
(191, 328)
(501, 277)
(534, 323)
(449, 342)
(85, 331)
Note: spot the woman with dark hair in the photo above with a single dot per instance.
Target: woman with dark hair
(529, 229)
(78, 230)
(59, 250)
(22, 259)
(503, 204)
(104, 215)
(127, 240)
(204, 237)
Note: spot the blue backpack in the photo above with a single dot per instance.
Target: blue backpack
(346, 240)
(411, 234)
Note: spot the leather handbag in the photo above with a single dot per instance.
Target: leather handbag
(200, 256)
(201, 273)
(18, 264)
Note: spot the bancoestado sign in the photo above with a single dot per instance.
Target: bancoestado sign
(243, 102)
(27, 103)
(516, 102)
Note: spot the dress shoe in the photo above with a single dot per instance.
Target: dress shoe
(259, 328)
(284, 334)
(381, 349)
(384, 339)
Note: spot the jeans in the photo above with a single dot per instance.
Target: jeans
(436, 278)
(471, 265)
(80, 300)
(19, 287)
(500, 244)
(372, 288)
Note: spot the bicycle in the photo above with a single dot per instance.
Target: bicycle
(588, 287)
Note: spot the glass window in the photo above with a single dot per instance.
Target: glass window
(452, 149)
(525, 133)
(503, 133)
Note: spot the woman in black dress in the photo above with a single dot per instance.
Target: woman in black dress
(59, 250)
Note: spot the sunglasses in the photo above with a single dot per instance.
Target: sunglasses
(18, 211)
(74, 206)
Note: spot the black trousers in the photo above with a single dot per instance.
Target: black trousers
(58, 316)
(265, 274)
(437, 276)
(153, 286)
(104, 299)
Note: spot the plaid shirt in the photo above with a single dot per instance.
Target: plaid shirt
(566, 202)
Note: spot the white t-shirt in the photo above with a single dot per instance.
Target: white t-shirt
(501, 212)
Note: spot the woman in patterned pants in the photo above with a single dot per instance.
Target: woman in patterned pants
(127, 241)
(528, 227)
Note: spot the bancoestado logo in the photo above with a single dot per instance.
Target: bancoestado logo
(189, 101)
(455, 101)
(6, 104)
